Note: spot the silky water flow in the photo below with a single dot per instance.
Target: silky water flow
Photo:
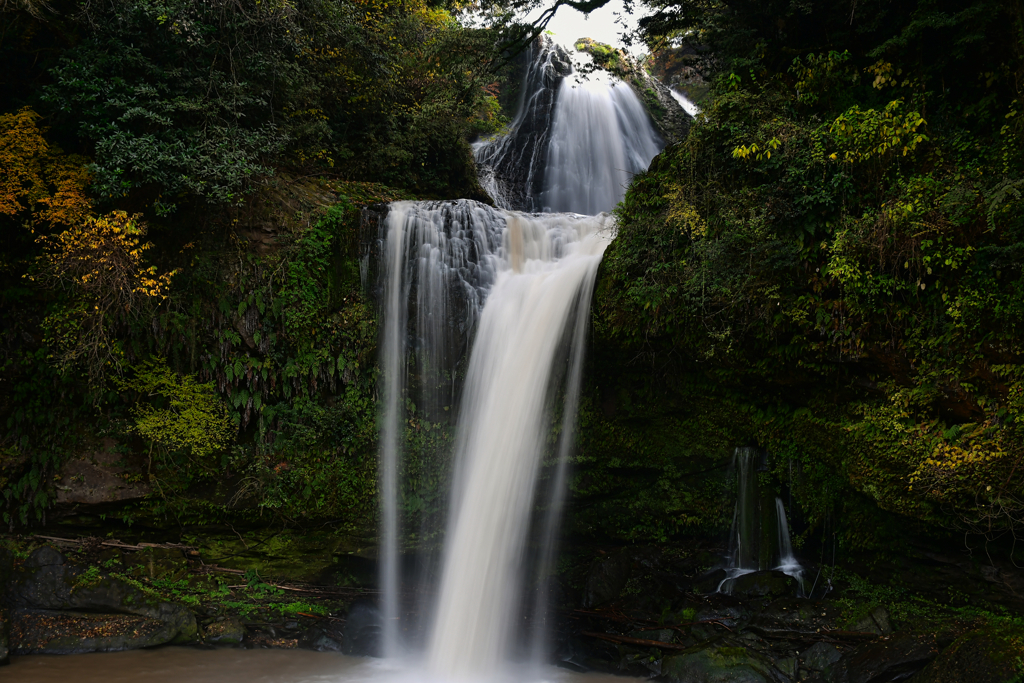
(500, 299)
(759, 538)
(519, 286)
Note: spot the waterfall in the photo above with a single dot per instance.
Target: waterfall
(787, 560)
(759, 538)
(688, 105)
(519, 286)
(573, 146)
(601, 137)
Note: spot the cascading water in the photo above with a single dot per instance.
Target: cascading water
(511, 292)
(574, 144)
(688, 105)
(600, 139)
(523, 282)
(759, 538)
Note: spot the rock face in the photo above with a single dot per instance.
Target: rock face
(94, 478)
(766, 584)
(511, 168)
(57, 608)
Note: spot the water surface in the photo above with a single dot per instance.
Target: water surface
(190, 665)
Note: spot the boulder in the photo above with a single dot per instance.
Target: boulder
(57, 607)
(718, 664)
(820, 656)
(96, 478)
(896, 658)
(708, 583)
(316, 639)
(227, 632)
(992, 655)
(62, 632)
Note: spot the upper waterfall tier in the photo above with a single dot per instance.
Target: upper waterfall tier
(574, 144)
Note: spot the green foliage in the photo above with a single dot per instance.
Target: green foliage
(821, 248)
(195, 418)
(200, 99)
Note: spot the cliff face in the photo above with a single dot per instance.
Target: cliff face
(669, 117)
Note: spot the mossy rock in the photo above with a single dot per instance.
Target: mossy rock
(718, 664)
(992, 654)
(229, 632)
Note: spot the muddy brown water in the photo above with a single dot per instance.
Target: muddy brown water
(187, 665)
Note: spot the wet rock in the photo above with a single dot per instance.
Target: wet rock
(894, 659)
(362, 631)
(718, 664)
(316, 639)
(788, 666)
(46, 586)
(766, 584)
(990, 655)
(606, 580)
(229, 632)
(820, 656)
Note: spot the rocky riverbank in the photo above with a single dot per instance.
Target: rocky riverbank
(641, 611)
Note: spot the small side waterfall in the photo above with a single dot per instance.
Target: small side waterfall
(759, 539)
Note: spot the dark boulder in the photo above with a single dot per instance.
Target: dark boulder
(820, 656)
(60, 608)
(316, 639)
